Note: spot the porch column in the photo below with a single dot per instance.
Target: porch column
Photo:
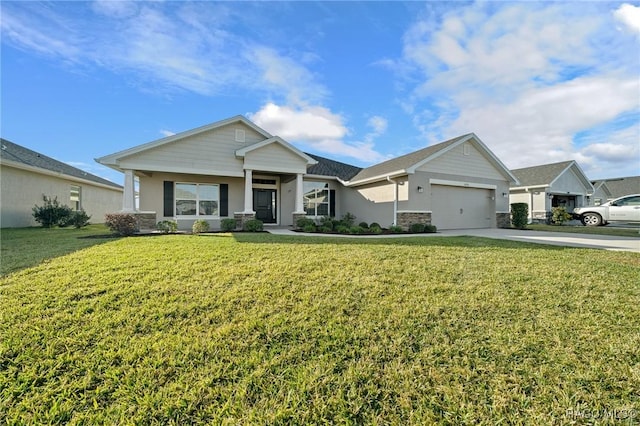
(299, 195)
(129, 195)
(248, 191)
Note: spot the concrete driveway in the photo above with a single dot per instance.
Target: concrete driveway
(606, 242)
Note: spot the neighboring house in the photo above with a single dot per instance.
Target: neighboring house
(601, 193)
(546, 186)
(25, 176)
(618, 187)
(233, 168)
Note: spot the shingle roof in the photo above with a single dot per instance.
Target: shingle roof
(540, 175)
(14, 152)
(622, 186)
(327, 167)
(404, 161)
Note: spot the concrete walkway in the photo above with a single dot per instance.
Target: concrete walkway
(605, 242)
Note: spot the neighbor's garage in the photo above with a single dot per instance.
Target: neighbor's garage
(456, 207)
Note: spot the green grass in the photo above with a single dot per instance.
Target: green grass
(24, 247)
(262, 329)
(594, 230)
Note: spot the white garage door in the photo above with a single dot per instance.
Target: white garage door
(455, 207)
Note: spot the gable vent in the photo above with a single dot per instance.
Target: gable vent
(239, 135)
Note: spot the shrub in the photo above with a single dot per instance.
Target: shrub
(430, 228)
(167, 226)
(309, 228)
(395, 229)
(375, 224)
(52, 213)
(519, 213)
(200, 226)
(121, 223)
(364, 225)
(301, 222)
(559, 215)
(375, 228)
(78, 219)
(348, 219)
(327, 222)
(342, 229)
(255, 225)
(416, 228)
(327, 229)
(357, 230)
(228, 225)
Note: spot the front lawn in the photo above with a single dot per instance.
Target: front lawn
(631, 231)
(264, 329)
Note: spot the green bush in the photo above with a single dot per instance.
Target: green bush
(364, 225)
(559, 215)
(395, 229)
(309, 228)
(301, 222)
(327, 222)
(519, 213)
(228, 225)
(327, 229)
(416, 228)
(375, 228)
(52, 213)
(121, 223)
(357, 230)
(342, 229)
(167, 226)
(78, 219)
(430, 228)
(375, 224)
(255, 225)
(348, 219)
(200, 226)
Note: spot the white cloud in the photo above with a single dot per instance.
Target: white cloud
(316, 127)
(629, 15)
(166, 133)
(115, 8)
(378, 124)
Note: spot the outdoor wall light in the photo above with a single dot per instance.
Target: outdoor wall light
(505, 195)
(420, 189)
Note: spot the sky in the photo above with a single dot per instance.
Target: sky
(358, 82)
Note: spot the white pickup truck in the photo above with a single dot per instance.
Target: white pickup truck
(623, 209)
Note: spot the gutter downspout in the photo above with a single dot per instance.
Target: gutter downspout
(395, 200)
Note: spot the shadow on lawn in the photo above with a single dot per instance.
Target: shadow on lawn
(432, 240)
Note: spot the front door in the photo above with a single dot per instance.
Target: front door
(264, 203)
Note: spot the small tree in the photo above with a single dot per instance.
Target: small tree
(52, 213)
(519, 213)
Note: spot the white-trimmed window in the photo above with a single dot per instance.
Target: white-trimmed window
(75, 197)
(316, 198)
(197, 199)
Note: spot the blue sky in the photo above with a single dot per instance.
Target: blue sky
(359, 82)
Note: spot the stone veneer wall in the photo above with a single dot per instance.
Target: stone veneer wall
(242, 218)
(146, 220)
(406, 219)
(503, 220)
(297, 216)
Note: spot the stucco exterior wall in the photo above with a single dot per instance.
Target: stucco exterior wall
(21, 190)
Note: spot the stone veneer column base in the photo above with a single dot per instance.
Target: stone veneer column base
(146, 220)
(297, 216)
(242, 218)
(406, 219)
(503, 220)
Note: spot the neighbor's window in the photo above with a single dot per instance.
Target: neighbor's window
(75, 197)
(316, 198)
(197, 199)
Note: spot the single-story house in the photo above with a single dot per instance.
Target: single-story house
(235, 169)
(543, 187)
(601, 193)
(617, 187)
(26, 175)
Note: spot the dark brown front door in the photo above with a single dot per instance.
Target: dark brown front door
(264, 203)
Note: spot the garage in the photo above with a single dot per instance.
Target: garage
(457, 207)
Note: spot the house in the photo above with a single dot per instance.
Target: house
(543, 187)
(235, 169)
(25, 176)
(616, 188)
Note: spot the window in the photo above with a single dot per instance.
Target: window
(75, 197)
(197, 199)
(628, 201)
(316, 198)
